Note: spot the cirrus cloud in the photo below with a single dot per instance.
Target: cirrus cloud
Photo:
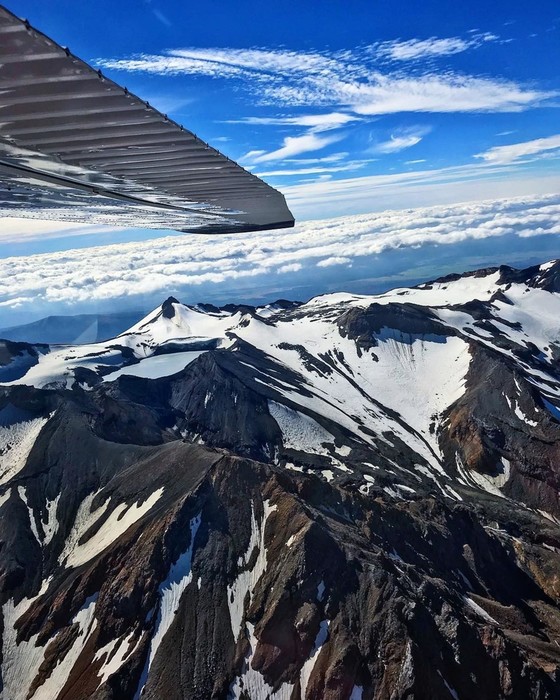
(315, 122)
(516, 151)
(400, 140)
(352, 79)
(414, 49)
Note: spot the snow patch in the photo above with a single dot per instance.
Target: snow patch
(294, 467)
(20, 662)
(307, 668)
(171, 591)
(492, 484)
(157, 366)
(251, 684)
(5, 496)
(114, 654)
(370, 465)
(522, 417)
(479, 611)
(50, 527)
(465, 579)
(247, 579)
(76, 552)
(84, 520)
(16, 442)
(23, 495)
(451, 690)
(453, 493)
(419, 377)
(300, 432)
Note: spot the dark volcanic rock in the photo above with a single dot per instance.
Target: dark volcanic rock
(408, 320)
(17, 358)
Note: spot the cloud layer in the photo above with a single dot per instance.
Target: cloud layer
(154, 268)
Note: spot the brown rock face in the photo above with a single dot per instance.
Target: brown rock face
(292, 585)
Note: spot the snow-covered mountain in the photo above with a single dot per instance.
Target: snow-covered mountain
(356, 497)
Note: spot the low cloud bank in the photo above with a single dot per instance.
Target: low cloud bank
(125, 273)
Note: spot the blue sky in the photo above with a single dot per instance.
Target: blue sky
(346, 107)
(307, 93)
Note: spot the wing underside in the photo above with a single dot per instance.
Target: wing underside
(76, 146)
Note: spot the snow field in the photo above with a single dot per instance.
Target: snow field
(119, 520)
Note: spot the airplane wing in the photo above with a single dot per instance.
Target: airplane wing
(76, 146)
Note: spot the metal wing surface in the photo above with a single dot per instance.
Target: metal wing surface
(76, 146)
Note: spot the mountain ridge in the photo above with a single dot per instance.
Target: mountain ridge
(355, 497)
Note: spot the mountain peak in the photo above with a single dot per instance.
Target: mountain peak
(167, 308)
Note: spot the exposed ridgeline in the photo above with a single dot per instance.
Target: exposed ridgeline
(353, 498)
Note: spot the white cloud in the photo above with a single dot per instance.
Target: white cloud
(225, 62)
(150, 270)
(350, 79)
(315, 122)
(335, 260)
(333, 158)
(421, 48)
(400, 140)
(446, 93)
(292, 267)
(414, 49)
(397, 143)
(315, 170)
(162, 18)
(516, 151)
(253, 154)
(320, 178)
(293, 146)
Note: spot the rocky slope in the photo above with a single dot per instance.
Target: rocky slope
(352, 498)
